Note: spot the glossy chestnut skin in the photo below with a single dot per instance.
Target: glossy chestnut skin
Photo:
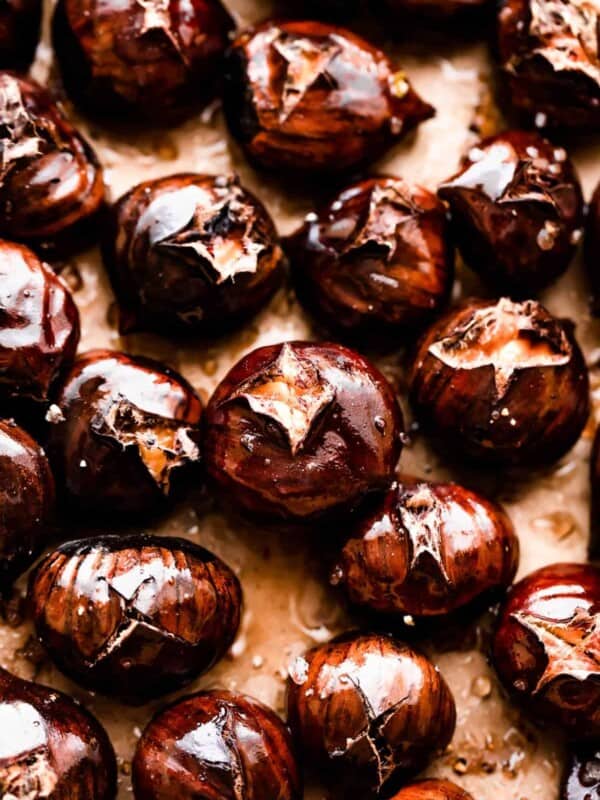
(50, 746)
(160, 60)
(517, 210)
(39, 325)
(591, 249)
(299, 430)
(134, 616)
(369, 711)
(19, 32)
(550, 61)
(191, 252)
(427, 549)
(581, 779)
(51, 185)
(26, 500)
(130, 431)
(312, 97)
(501, 383)
(547, 646)
(255, 755)
(376, 259)
(432, 790)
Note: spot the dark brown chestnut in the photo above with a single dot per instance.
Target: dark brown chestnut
(216, 746)
(50, 746)
(581, 779)
(591, 249)
(51, 185)
(191, 252)
(312, 97)
(594, 541)
(298, 430)
(19, 32)
(432, 790)
(549, 55)
(517, 211)
(502, 382)
(437, 10)
(376, 260)
(39, 325)
(157, 58)
(125, 432)
(428, 549)
(547, 646)
(26, 500)
(134, 616)
(370, 711)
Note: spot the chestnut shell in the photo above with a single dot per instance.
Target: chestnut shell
(312, 97)
(477, 370)
(594, 542)
(439, 11)
(191, 252)
(19, 32)
(547, 646)
(376, 260)
(370, 711)
(127, 434)
(581, 779)
(299, 430)
(516, 208)
(428, 549)
(255, 755)
(432, 789)
(134, 616)
(591, 248)
(50, 746)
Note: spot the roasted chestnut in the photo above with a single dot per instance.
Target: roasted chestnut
(591, 249)
(432, 790)
(549, 55)
(436, 10)
(134, 616)
(517, 211)
(191, 251)
(312, 97)
(50, 746)
(39, 325)
(375, 260)
(297, 430)
(51, 185)
(594, 541)
(581, 780)
(19, 32)
(547, 646)
(159, 58)
(216, 745)
(125, 431)
(26, 500)
(369, 711)
(502, 382)
(427, 549)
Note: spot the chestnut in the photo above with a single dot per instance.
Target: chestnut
(19, 32)
(502, 382)
(591, 249)
(427, 549)
(299, 430)
(432, 789)
(216, 745)
(376, 260)
(50, 746)
(125, 433)
(581, 780)
(51, 185)
(594, 541)
(517, 211)
(26, 500)
(134, 616)
(313, 97)
(547, 646)
(191, 252)
(39, 325)
(370, 711)
(549, 56)
(440, 11)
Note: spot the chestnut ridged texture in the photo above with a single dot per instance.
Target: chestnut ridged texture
(134, 616)
(19, 32)
(376, 260)
(191, 252)
(311, 97)
(517, 210)
(432, 790)
(158, 59)
(547, 646)
(26, 500)
(427, 549)
(51, 185)
(216, 746)
(51, 747)
(126, 432)
(501, 382)
(592, 249)
(369, 711)
(297, 430)
(581, 779)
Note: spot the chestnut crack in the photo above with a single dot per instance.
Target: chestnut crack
(20, 136)
(420, 512)
(30, 777)
(158, 18)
